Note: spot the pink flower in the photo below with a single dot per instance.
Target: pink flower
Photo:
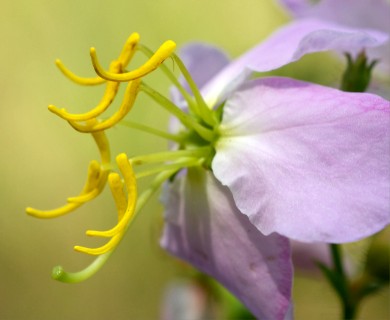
(255, 161)
(292, 159)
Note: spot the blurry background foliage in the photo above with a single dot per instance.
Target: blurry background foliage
(43, 160)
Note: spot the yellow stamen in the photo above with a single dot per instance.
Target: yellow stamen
(48, 214)
(158, 58)
(131, 186)
(108, 97)
(94, 185)
(124, 215)
(116, 186)
(101, 250)
(82, 198)
(129, 49)
(128, 102)
(89, 190)
(102, 144)
(79, 80)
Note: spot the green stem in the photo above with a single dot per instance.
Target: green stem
(343, 289)
(337, 259)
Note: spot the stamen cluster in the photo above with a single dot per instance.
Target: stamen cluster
(200, 122)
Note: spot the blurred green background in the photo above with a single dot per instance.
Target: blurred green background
(43, 160)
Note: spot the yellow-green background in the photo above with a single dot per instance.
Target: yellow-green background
(43, 160)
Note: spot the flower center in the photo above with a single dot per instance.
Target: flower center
(194, 142)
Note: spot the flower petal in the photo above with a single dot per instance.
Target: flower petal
(204, 227)
(374, 14)
(355, 13)
(307, 161)
(286, 45)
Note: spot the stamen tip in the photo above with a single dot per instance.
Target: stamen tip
(79, 249)
(113, 178)
(171, 44)
(122, 157)
(134, 37)
(53, 109)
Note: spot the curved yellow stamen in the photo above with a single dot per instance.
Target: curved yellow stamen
(86, 193)
(82, 198)
(90, 189)
(158, 58)
(79, 80)
(48, 214)
(94, 185)
(100, 250)
(131, 186)
(128, 102)
(129, 49)
(108, 97)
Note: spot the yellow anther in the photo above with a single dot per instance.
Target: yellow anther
(108, 97)
(102, 144)
(94, 185)
(79, 80)
(129, 49)
(88, 192)
(84, 197)
(116, 186)
(101, 250)
(47, 214)
(131, 186)
(165, 50)
(91, 187)
(128, 102)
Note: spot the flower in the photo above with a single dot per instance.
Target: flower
(252, 162)
(358, 14)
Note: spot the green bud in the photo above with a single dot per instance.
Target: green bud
(357, 76)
